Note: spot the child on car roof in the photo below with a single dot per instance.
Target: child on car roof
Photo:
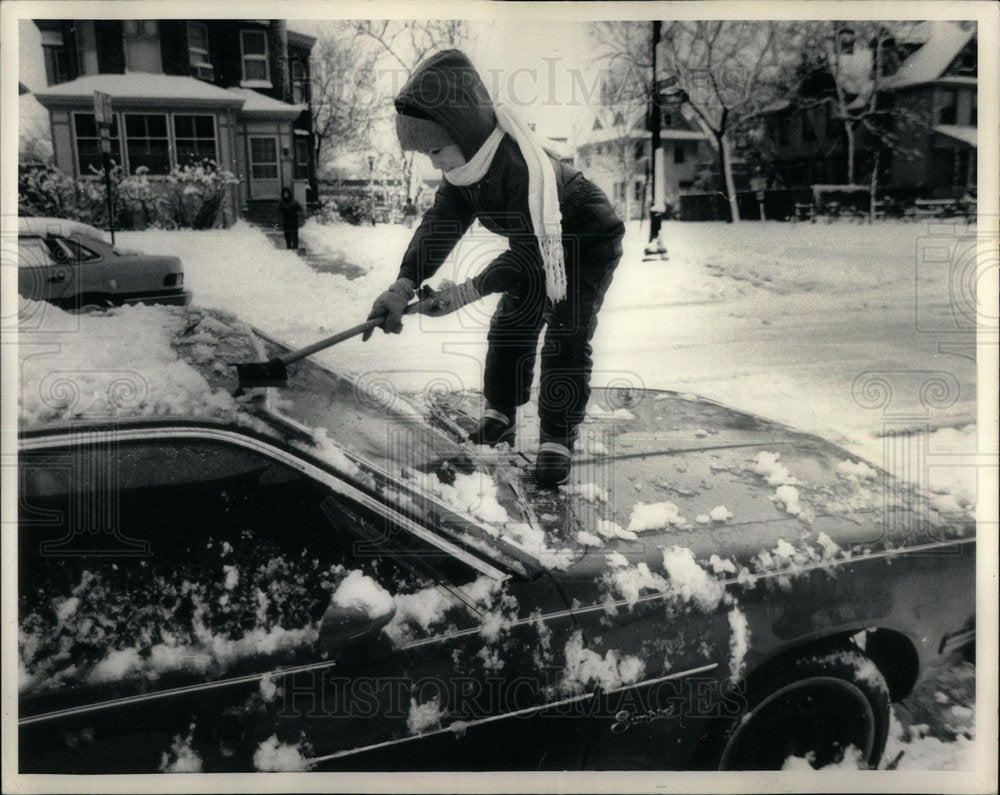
(564, 244)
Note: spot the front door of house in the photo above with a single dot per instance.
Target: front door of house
(264, 176)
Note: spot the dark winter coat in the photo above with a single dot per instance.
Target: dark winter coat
(592, 231)
(291, 214)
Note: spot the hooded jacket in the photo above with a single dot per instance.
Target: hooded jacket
(447, 90)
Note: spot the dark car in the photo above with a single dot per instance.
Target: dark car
(343, 585)
(70, 265)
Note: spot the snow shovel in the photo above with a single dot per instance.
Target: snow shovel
(275, 371)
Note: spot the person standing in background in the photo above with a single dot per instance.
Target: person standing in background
(291, 218)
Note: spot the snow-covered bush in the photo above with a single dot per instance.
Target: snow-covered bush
(44, 190)
(193, 196)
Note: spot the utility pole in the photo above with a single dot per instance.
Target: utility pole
(104, 117)
(655, 213)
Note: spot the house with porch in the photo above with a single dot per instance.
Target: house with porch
(233, 91)
(615, 153)
(935, 84)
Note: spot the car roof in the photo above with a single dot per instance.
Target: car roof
(50, 225)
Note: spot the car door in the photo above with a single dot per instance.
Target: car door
(173, 592)
(46, 270)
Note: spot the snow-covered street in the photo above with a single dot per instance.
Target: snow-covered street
(855, 333)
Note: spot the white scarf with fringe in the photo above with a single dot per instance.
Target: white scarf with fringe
(543, 193)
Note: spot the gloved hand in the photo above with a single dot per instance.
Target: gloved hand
(449, 297)
(391, 305)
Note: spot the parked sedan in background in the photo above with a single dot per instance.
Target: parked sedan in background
(211, 584)
(70, 265)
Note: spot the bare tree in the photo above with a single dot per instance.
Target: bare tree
(344, 94)
(722, 68)
(845, 68)
(625, 95)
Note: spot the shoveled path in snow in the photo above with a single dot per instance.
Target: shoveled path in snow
(320, 264)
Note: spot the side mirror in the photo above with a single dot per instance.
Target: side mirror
(342, 627)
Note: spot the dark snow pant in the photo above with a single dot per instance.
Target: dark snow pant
(291, 238)
(564, 387)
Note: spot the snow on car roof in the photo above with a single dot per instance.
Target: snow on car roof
(116, 365)
(46, 225)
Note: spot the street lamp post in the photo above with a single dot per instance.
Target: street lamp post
(371, 185)
(655, 213)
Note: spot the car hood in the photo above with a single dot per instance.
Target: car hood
(656, 475)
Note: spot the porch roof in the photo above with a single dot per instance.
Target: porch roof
(135, 89)
(967, 135)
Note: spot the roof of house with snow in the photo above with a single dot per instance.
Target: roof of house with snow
(613, 127)
(134, 89)
(967, 135)
(256, 103)
(930, 61)
(139, 86)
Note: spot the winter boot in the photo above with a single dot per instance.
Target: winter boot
(552, 465)
(495, 427)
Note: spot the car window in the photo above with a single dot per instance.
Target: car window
(146, 559)
(32, 252)
(78, 251)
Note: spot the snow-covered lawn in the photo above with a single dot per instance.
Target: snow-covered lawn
(856, 333)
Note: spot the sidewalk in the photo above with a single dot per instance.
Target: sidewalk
(318, 263)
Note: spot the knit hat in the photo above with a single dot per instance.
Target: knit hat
(447, 91)
(420, 134)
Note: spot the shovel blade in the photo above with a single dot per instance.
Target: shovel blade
(260, 374)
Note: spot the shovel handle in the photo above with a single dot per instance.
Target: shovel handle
(361, 328)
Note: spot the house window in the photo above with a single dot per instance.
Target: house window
(194, 138)
(198, 44)
(88, 143)
(147, 143)
(253, 46)
(784, 128)
(301, 157)
(54, 53)
(832, 122)
(637, 186)
(948, 109)
(678, 153)
(640, 150)
(264, 158)
(808, 131)
(300, 83)
(139, 28)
